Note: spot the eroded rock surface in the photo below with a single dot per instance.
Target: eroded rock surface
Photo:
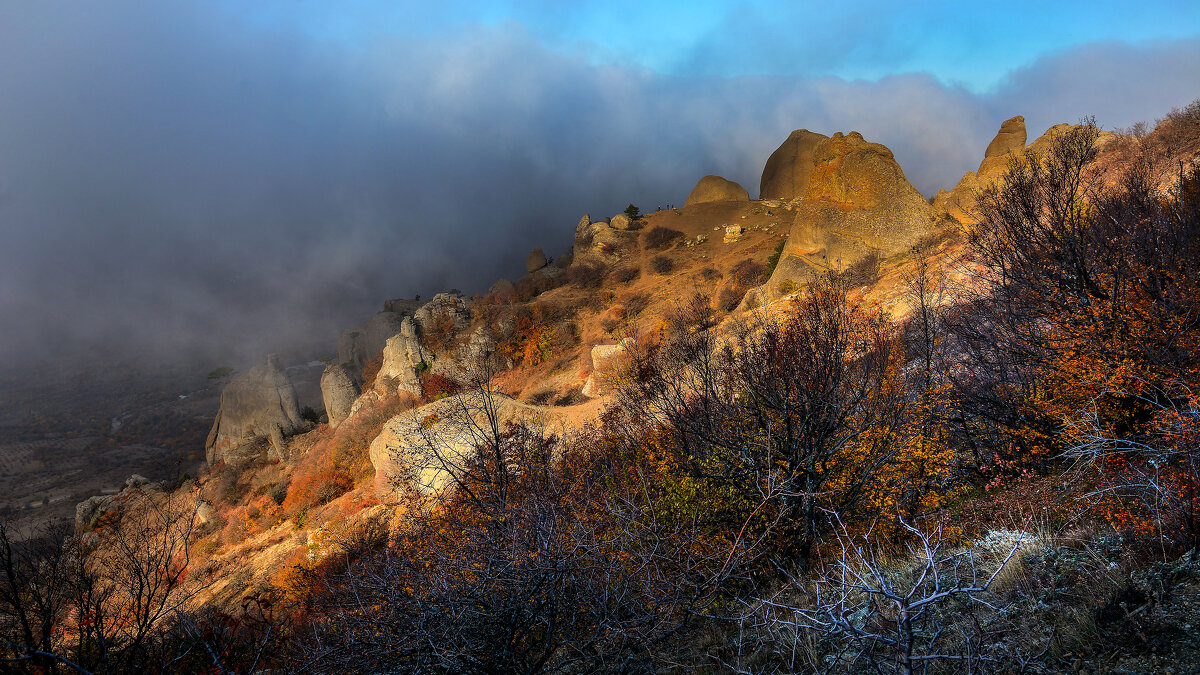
(606, 362)
(92, 509)
(535, 261)
(857, 204)
(340, 386)
(788, 169)
(403, 358)
(259, 404)
(421, 448)
(716, 189)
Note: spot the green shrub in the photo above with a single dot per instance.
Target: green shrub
(773, 261)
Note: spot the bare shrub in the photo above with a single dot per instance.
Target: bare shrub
(661, 264)
(586, 275)
(625, 275)
(749, 273)
(660, 237)
(729, 298)
(868, 610)
(636, 303)
(864, 271)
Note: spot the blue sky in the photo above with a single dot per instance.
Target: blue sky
(967, 43)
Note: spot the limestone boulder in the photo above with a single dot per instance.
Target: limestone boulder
(403, 358)
(472, 360)
(607, 361)
(535, 261)
(447, 310)
(961, 202)
(620, 222)
(340, 387)
(788, 169)
(259, 404)
(419, 449)
(402, 306)
(857, 204)
(597, 241)
(716, 189)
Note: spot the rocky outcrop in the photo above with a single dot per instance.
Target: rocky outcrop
(359, 346)
(601, 242)
(403, 359)
(473, 360)
(857, 204)
(92, 509)
(535, 261)
(403, 306)
(788, 169)
(259, 404)
(606, 366)
(448, 310)
(340, 386)
(503, 288)
(1012, 136)
(716, 189)
(960, 203)
(419, 448)
(620, 222)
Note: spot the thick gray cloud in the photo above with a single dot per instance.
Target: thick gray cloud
(173, 182)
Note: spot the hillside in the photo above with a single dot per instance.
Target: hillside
(845, 428)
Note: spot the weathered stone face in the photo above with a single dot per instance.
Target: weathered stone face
(605, 359)
(620, 222)
(961, 202)
(858, 203)
(600, 241)
(787, 171)
(340, 386)
(259, 404)
(89, 510)
(716, 189)
(401, 357)
(443, 304)
(419, 448)
(358, 346)
(535, 261)
(1012, 136)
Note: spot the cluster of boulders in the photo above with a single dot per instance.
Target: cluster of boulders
(259, 408)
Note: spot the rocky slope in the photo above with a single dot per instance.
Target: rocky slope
(549, 342)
